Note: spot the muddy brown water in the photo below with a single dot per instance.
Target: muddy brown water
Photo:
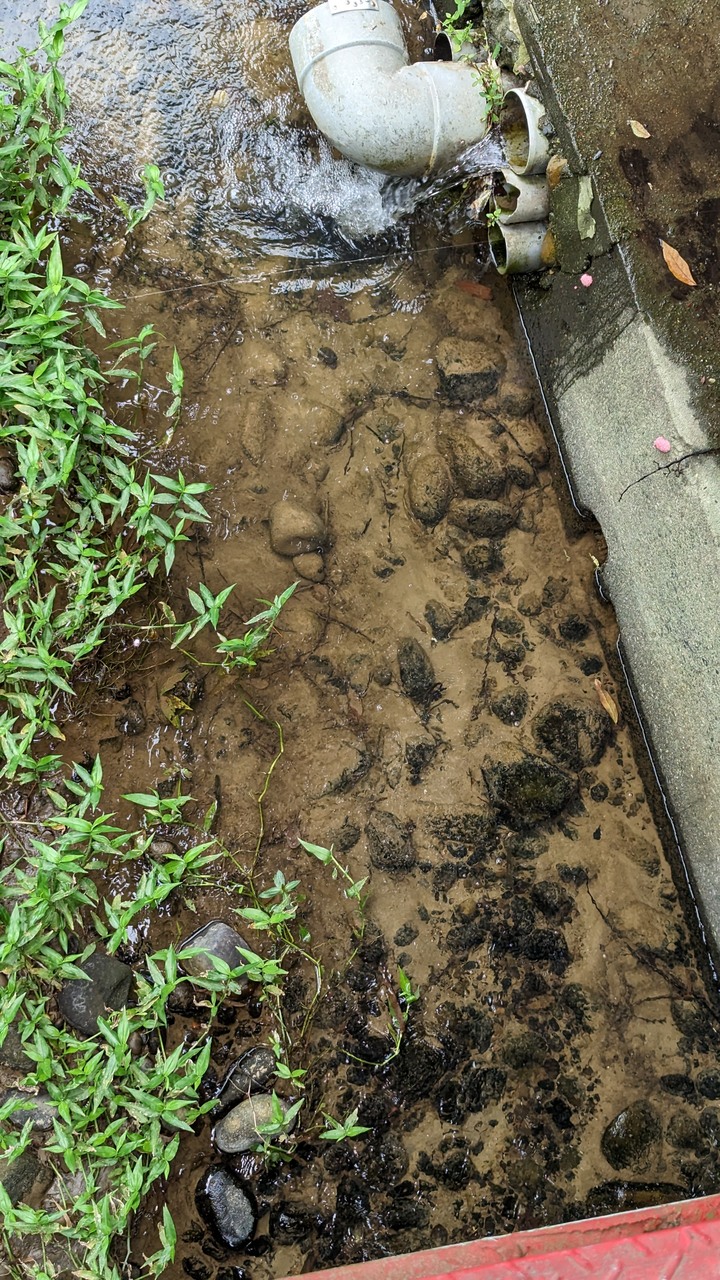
(435, 692)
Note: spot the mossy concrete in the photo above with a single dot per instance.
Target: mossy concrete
(635, 355)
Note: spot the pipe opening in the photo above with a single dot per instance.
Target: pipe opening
(498, 249)
(526, 146)
(524, 247)
(442, 49)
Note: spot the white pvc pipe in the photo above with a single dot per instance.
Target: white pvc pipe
(351, 64)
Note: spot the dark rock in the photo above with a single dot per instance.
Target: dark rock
(389, 843)
(456, 1170)
(250, 1074)
(708, 1083)
(476, 473)
(417, 676)
(12, 1053)
(228, 1206)
(440, 618)
(290, 1222)
(573, 629)
(483, 1087)
(82, 1002)
(599, 792)
(196, 1269)
(406, 1215)
(550, 898)
(547, 946)
(406, 934)
(131, 719)
(17, 1178)
(430, 489)
(328, 357)
(510, 706)
(475, 607)
(418, 755)
(524, 1049)
(481, 559)
(527, 791)
(9, 480)
(678, 1085)
(418, 1068)
(482, 518)
(34, 1107)
(629, 1139)
(385, 1160)
(685, 1133)
(573, 732)
(710, 1125)
(591, 666)
(214, 939)
(467, 372)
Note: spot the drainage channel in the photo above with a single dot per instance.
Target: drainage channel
(520, 1026)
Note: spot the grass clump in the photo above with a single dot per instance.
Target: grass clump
(85, 524)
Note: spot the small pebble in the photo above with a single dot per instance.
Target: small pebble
(662, 444)
(586, 280)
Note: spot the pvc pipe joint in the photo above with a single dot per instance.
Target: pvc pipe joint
(522, 119)
(352, 67)
(525, 246)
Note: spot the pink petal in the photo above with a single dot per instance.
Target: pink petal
(586, 279)
(662, 445)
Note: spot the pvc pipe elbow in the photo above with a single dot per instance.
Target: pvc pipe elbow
(352, 69)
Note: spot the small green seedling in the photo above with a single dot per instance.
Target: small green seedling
(340, 1130)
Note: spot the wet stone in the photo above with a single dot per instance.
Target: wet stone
(389, 843)
(9, 481)
(290, 1222)
(708, 1083)
(575, 733)
(418, 756)
(630, 1138)
(214, 939)
(36, 1108)
(440, 619)
(82, 1002)
(481, 559)
(523, 1050)
(430, 489)
(238, 1130)
(295, 530)
(406, 934)
(679, 1086)
(12, 1053)
(482, 518)
(131, 719)
(310, 566)
(251, 1073)
(617, 1196)
(574, 629)
(483, 1087)
(552, 900)
(417, 675)
(476, 473)
(685, 1133)
(228, 1206)
(527, 791)
(467, 372)
(510, 706)
(18, 1177)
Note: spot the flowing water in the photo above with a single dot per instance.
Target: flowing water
(433, 678)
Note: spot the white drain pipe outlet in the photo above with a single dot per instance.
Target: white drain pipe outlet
(352, 67)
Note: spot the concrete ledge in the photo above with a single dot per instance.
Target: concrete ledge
(613, 383)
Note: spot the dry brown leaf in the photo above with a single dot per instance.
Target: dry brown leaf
(476, 290)
(606, 701)
(639, 129)
(677, 265)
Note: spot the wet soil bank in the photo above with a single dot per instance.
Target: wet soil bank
(371, 431)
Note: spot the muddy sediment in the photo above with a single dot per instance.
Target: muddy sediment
(372, 432)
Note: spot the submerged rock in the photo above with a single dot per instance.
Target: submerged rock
(295, 530)
(430, 489)
(631, 1136)
(481, 517)
(527, 791)
(238, 1130)
(575, 733)
(17, 1178)
(476, 473)
(82, 1002)
(248, 1075)
(467, 371)
(417, 675)
(228, 1206)
(9, 480)
(310, 566)
(214, 939)
(131, 719)
(389, 843)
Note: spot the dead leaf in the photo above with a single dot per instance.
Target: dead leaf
(677, 265)
(639, 129)
(606, 701)
(476, 290)
(173, 708)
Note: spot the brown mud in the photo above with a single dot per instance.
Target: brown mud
(439, 721)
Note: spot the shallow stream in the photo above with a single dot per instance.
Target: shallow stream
(433, 677)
